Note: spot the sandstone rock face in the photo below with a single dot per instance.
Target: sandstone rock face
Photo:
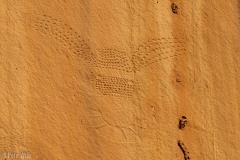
(120, 80)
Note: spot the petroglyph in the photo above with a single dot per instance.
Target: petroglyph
(70, 39)
(114, 86)
(113, 59)
(155, 50)
(65, 35)
(144, 55)
(133, 131)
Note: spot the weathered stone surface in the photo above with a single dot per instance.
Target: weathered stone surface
(111, 79)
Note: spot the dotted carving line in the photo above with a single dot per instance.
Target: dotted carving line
(153, 51)
(114, 86)
(108, 58)
(113, 59)
(146, 54)
(65, 35)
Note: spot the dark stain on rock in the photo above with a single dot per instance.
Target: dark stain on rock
(174, 8)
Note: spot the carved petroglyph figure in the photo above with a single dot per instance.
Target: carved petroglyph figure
(114, 86)
(142, 56)
(156, 50)
(123, 117)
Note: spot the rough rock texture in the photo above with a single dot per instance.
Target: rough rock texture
(110, 79)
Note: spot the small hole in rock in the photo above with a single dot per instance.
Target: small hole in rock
(174, 8)
(182, 122)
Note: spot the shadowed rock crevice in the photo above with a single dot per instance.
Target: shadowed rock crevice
(184, 150)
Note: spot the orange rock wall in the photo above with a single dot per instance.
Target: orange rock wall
(109, 80)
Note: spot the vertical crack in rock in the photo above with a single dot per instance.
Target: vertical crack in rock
(184, 150)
